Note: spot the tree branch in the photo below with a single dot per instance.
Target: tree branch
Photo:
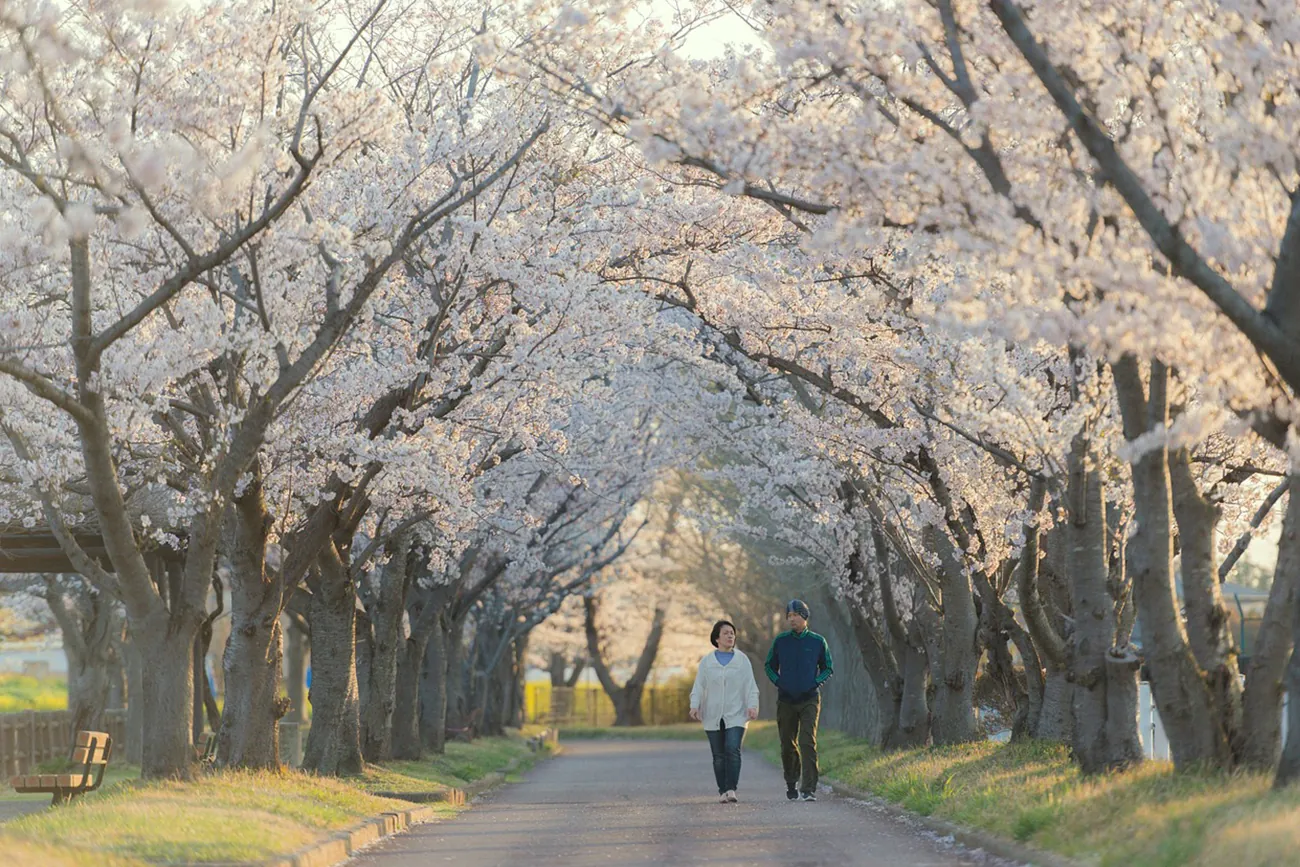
(1262, 331)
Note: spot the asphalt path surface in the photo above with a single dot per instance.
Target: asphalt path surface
(634, 803)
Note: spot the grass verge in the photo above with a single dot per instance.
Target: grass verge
(1149, 817)
(462, 763)
(680, 732)
(233, 816)
(115, 774)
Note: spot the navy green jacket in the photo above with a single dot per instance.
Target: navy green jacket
(798, 664)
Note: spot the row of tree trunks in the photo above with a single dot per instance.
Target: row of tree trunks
(893, 656)
(1053, 719)
(853, 709)
(421, 698)
(1209, 719)
(1188, 711)
(503, 683)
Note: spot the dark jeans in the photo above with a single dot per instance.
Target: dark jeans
(725, 744)
(797, 725)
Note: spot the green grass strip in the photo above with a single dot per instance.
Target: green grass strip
(232, 816)
(1032, 792)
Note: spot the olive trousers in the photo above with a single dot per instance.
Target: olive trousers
(797, 724)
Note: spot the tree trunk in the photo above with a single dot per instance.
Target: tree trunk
(407, 708)
(385, 613)
(626, 698)
(117, 678)
(1105, 677)
(1209, 630)
(91, 624)
(254, 654)
(1053, 719)
(627, 706)
(1285, 584)
(557, 669)
(519, 684)
(1260, 746)
(88, 690)
(1288, 769)
(1056, 718)
(440, 668)
(249, 735)
(499, 705)
(911, 679)
(886, 679)
(296, 648)
(166, 648)
(953, 651)
(1187, 708)
(456, 714)
(200, 675)
(334, 741)
(134, 700)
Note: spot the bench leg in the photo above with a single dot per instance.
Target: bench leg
(61, 796)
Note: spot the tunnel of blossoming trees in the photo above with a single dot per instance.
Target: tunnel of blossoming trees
(447, 343)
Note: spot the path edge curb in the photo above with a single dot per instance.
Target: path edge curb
(971, 838)
(342, 845)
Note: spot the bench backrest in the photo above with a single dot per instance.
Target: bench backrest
(93, 748)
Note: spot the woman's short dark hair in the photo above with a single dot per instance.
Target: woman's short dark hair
(717, 630)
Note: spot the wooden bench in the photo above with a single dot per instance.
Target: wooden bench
(88, 763)
(207, 757)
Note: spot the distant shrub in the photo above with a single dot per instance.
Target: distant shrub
(20, 692)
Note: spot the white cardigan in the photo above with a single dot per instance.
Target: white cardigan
(723, 693)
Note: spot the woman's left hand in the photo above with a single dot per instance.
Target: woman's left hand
(751, 713)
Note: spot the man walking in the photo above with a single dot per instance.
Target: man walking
(798, 663)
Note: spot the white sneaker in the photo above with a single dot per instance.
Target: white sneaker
(723, 799)
(731, 796)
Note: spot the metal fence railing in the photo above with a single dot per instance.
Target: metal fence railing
(1155, 743)
(588, 705)
(30, 738)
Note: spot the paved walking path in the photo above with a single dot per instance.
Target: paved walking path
(652, 803)
(14, 808)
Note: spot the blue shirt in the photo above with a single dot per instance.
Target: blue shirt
(724, 656)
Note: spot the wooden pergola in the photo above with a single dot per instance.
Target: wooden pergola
(35, 550)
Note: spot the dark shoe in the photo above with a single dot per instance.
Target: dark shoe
(791, 793)
(807, 796)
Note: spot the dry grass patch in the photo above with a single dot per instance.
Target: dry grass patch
(227, 816)
(20, 854)
(1149, 817)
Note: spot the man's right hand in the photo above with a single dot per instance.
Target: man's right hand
(695, 714)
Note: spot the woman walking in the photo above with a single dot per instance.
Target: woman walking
(725, 699)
